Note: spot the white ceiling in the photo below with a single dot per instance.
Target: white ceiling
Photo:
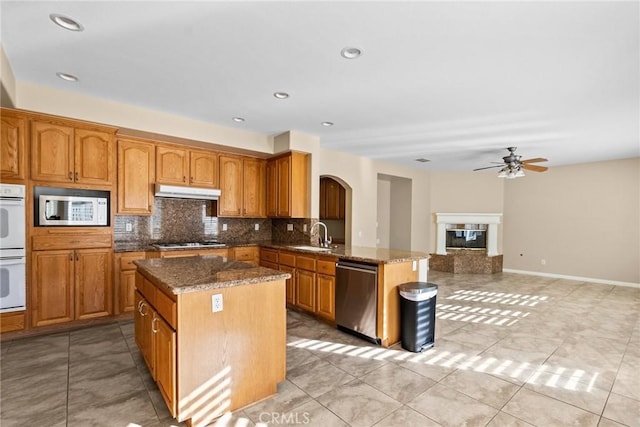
(452, 82)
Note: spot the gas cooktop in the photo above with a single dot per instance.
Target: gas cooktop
(209, 244)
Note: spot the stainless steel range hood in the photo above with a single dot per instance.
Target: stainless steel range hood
(177, 192)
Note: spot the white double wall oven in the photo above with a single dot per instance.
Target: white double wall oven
(12, 248)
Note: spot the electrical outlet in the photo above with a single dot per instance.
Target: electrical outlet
(289, 227)
(128, 227)
(257, 227)
(543, 261)
(216, 303)
(224, 227)
(304, 228)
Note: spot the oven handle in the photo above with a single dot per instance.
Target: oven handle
(12, 202)
(12, 261)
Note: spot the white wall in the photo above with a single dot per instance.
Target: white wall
(7, 81)
(384, 213)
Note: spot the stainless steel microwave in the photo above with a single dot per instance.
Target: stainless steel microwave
(70, 207)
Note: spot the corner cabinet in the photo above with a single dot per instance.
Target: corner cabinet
(67, 153)
(288, 186)
(136, 175)
(13, 148)
(242, 181)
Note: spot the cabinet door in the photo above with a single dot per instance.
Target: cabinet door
(52, 157)
(272, 188)
(230, 202)
(284, 187)
(93, 157)
(165, 361)
(172, 165)
(127, 282)
(305, 286)
(136, 173)
(52, 281)
(93, 283)
(290, 284)
(323, 198)
(203, 169)
(254, 176)
(326, 286)
(332, 199)
(12, 147)
(143, 324)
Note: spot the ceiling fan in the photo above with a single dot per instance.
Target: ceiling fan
(513, 167)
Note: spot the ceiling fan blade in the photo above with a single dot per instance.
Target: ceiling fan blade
(536, 160)
(489, 167)
(534, 168)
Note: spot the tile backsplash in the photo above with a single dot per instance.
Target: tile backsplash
(183, 220)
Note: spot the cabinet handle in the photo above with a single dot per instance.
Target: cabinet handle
(192, 180)
(140, 304)
(153, 325)
(70, 176)
(70, 257)
(184, 179)
(238, 210)
(77, 258)
(76, 176)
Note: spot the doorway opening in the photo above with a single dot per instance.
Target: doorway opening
(394, 212)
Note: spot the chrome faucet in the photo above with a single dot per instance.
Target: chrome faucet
(327, 240)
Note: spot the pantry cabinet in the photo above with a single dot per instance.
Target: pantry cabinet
(13, 148)
(63, 153)
(136, 175)
(332, 199)
(70, 285)
(242, 182)
(288, 186)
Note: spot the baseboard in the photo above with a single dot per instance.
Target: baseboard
(578, 278)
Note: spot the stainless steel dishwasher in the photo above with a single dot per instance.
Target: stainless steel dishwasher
(357, 298)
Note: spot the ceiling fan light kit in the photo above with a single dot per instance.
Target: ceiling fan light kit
(514, 167)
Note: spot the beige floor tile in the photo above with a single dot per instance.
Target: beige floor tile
(289, 397)
(397, 382)
(623, 410)
(605, 422)
(449, 407)
(505, 420)
(541, 410)
(406, 417)
(309, 414)
(482, 387)
(359, 404)
(318, 377)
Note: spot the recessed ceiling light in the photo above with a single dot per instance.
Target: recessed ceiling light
(66, 22)
(351, 52)
(68, 77)
(327, 124)
(281, 95)
(238, 119)
(422, 160)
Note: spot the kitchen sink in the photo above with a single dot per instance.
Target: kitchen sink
(311, 248)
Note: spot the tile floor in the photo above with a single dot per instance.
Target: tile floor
(511, 350)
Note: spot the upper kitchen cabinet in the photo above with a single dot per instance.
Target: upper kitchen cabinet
(332, 199)
(136, 175)
(242, 182)
(287, 186)
(66, 153)
(178, 166)
(13, 149)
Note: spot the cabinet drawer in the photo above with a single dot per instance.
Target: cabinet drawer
(167, 308)
(76, 241)
(244, 254)
(286, 258)
(268, 264)
(269, 255)
(146, 288)
(126, 261)
(327, 267)
(217, 252)
(306, 263)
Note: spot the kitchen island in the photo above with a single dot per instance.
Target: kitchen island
(212, 332)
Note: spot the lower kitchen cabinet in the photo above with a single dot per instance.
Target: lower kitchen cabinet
(326, 298)
(70, 285)
(290, 284)
(125, 280)
(305, 290)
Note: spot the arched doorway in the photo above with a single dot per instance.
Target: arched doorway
(335, 208)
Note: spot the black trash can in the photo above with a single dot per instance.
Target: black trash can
(417, 315)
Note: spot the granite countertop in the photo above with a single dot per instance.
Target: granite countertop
(201, 273)
(148, 247)
(355, 253)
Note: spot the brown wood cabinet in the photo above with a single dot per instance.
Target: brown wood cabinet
(332, 199)
(125, 280)
(288, 186)
(136, 175)
(70, 285)
(326, 296)
(242, 181)
(305, 290)
(13, 148)
(246, 253)
(172, 165)
(203, 169)
(64, 153)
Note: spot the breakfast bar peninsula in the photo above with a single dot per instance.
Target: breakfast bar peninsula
(212, 332)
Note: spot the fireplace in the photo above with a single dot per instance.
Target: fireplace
(467, 243)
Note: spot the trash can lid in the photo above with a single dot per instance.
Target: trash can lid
(417, 287)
